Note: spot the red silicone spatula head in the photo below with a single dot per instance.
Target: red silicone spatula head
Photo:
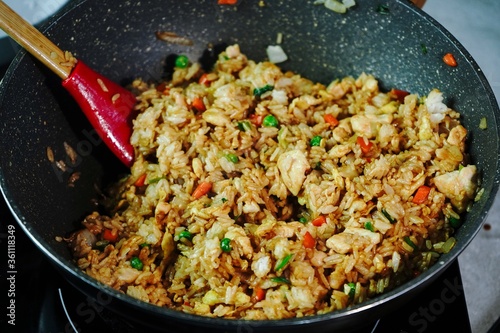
(108, 107)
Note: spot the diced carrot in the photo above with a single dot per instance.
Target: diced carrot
(198, 104)
(204, 79)
(309, 242)
(450, 60)
(256, 119)
(260, 294)
(399, 94)
(330, 119)
(141, 180)
(202, 189)
(227, 2)
(109, 235)
(318, 221)
(365, 144)
(421, 194)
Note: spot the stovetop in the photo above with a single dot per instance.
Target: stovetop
(36, 298)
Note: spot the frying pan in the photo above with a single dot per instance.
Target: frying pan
(401, 46)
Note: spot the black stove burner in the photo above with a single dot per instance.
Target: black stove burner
(45, 303)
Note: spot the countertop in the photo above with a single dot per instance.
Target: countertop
(476, 25)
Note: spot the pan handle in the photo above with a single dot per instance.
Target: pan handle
(33, 41)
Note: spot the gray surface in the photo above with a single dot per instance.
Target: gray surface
(476, 25)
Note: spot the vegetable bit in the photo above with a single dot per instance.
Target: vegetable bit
(421, 195)
(270, 121)
(365, 145)
(369, 226)
(140, 181)
(316, 141)
(185, 234)
(136, 263)
(225, 245)
(260, 91)
(198, 104)
(388, 216)
(309, 242)
(319, 221)
(383, 9)
(350, 289)
(454, 222)
(181, 61)
(202, 189)
(330, 119)
(410, 242)
(280, 265)
(280, 279)
(109, 235)
(450, 60)
(233, 158)
(245, 126)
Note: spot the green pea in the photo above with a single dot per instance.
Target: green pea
(136, 263)
(185, 234)
(181, 61)
(225, 245)
(270, 121)
(316, 140)
(232, 158)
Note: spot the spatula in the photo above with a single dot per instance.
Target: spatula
(107, 105)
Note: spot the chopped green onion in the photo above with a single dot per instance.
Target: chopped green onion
(181, 61)
(232, 158)
(423, 48)
(317, 166)
(454, 222)
(352, 290)
(410, 242)
(136, 263)
(259, 91)
(225, 245)
(244, 126)
(280, 279)
(316, 141)
(223, 200)
(155, 180)
(369, 226)
(101, 245)
(270, 121)
(144, 245)
(383, 9)
(283, 262)
(185, 234)
(388, 216)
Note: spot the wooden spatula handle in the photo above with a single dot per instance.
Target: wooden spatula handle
(34, 41)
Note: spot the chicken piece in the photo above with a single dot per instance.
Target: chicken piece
(293, 166)
(342, 242)
(237, 234)
(127, 274)
(364, 125)
(459, 186)
(435, 106)
(457, 136)
(81, 242)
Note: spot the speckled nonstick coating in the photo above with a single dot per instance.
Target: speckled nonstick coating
(117, 39)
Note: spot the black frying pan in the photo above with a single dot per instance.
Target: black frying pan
(117, 39)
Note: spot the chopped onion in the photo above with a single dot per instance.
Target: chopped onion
(349, 3)
(276, 54)
(336, 6)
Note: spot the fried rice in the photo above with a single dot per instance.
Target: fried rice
(259, 194)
